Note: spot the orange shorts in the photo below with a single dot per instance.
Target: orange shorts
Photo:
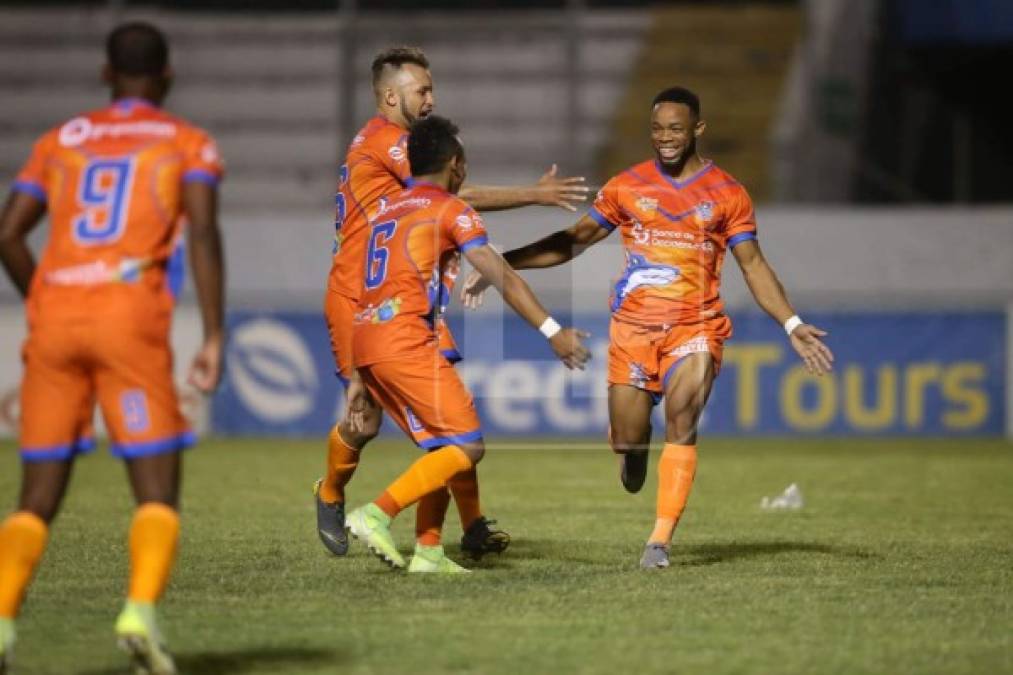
(645, 357)
(124, 364)
(339, 311)
(425, 396)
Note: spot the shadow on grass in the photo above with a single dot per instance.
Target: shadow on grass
(262, 659)
(712, 554)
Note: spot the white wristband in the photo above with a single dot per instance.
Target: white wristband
(792, 323)
(549, 327)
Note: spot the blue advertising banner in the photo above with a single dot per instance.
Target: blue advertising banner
(895, 374)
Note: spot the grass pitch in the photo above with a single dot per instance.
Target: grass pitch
(900, 562)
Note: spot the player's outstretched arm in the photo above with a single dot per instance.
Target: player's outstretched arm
(21, 214)
(770, 296)
(557, 248)
(548, 191)
(200, 200)
(565, 342)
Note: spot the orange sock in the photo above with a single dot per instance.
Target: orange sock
(464, 487)
(675, 479)
(429, 472)
(153, 537)
(429, 517)
(22, 541)
(342, 459)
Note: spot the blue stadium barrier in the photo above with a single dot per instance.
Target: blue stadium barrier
(921, 374)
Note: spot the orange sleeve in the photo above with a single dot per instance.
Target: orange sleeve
(740, 220)
(465, 228)
(606, 210)
(201, 161)
(32, 177)
(392, 153)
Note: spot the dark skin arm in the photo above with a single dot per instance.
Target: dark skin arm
(555, 249)
(21, 214)
(771, 297)
(200, 201)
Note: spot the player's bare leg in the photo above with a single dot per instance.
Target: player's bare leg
(23, 537)
(154, 534)
(689, 386)
(630, 432)
(345, 443)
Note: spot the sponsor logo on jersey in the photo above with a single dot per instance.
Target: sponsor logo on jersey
(464, 222)
(396, 153)
(81, 129)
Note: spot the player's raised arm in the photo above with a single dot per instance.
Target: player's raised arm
(200, 200)
(548, 191)
(565, 342)
(22, 213)
(771, 297)
(556, 249)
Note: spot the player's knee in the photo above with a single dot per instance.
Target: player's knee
(630, 439)
(364, 433)
(474, 451)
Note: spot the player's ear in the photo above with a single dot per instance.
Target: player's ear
(390, 97)
(700, 127)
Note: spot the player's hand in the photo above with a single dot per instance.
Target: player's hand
(355, 405)
(570, 349)
(817, 356)
(206, 367)
(473, 290)
(562, 192)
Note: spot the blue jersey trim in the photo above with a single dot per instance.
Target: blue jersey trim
(29, 188)
(200, 176)
(474, 243)
(597, 217)
(342, 379)
(434, 443)
(739, 238)
(452, 355)
(58, 453)
(149, 448)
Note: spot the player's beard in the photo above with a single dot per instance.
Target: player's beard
(409, 117)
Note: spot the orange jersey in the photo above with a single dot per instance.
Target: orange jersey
(376, 166)
(112, 181)
(675, 234)
(414, 240)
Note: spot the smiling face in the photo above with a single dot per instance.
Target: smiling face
(674, 130)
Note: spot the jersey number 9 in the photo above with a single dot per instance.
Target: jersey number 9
(104, 196)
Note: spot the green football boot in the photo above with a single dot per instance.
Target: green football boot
(138, 635)
(371, 525)
(432, 560)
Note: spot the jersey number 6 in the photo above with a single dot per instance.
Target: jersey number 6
(104, 196)
(376, 256)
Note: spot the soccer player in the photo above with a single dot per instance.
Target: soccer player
(376, 168)
(396, 350)
(115, 182)
(677, 214)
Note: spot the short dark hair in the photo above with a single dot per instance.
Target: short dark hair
(397, 57)
(679, 95)
(137, 49)
(432, 142)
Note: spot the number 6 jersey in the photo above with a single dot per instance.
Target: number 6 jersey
(112, 181)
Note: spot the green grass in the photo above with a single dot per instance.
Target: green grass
(900, 562)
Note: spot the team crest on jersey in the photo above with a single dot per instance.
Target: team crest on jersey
(647, 204)
(396, 153)
(705, 212)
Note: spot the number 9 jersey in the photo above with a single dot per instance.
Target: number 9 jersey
(112, 181)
